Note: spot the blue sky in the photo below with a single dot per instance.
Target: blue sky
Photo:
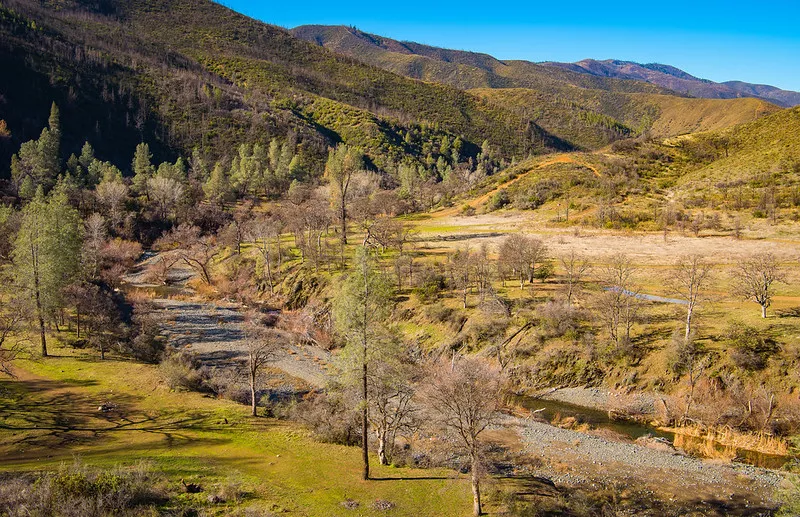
(754, 42)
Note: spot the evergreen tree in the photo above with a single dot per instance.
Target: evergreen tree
(143, 169)
(360, 310)
(46, 254)
(198, 166)
(218, 188)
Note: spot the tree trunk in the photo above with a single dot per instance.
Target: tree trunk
(763, 311)
(689, 322)
(253, 400)
(253, 393)
(476, 487)
(280, 255)
(343, 221)
(364, 420)
(382, 457)
(40, 313)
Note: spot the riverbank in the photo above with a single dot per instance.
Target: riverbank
(579, 460)
(603, 399)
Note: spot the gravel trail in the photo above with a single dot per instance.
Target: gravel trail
(213, 330)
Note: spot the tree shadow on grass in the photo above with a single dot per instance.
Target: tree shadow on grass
(411, 478)
(46, 414)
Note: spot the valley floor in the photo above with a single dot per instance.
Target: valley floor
(52, 413)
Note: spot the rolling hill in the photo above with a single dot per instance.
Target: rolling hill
(181, 74)
(762, 153)
(586, 109)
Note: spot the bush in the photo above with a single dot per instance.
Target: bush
(480, 331)
(751, 349)
(452, 317)
(330, 418)
(499, 200)
(431, 285)
(558, 318)
(77, 490)
(183, 370)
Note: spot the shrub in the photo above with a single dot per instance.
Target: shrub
(183, 370)
(452, 317)
(431, 284)
(558, 318)
(330, 418)
(79, 490)
(467, 210)
(750, 348)
(499, 200)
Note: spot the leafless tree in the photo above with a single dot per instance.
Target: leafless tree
(263, 346)
(461, 265)
(315, 218)
(113, 196)
(576, 268)
(194, 249)
(262, 230)
(163, 266)
(755, 278)
(164, 194)
(619, 304)
(463, 397)
(688, 279)
(94, 239)
(235, 233)
(520, 254)
(483, 271)
(404, 267)
(392, 410)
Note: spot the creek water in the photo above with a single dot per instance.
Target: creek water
(551, 410)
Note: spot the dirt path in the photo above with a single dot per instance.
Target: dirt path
(213, 330)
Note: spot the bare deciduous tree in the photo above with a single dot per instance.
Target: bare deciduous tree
(262, 345)
(688, 278)
(464, 398)
(576, 268)
(94, 239)
(196, 250)
(262, 231)
(461, 266)
(164, 194)
(391, 407)
(520, 254)
(113, 195)
(619, 304)
(754, 279)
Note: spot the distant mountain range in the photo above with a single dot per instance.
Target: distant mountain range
(677, 80)
(469, 70)
(122, 73)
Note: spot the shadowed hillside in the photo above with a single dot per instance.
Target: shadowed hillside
(589, 110)
(120, 68)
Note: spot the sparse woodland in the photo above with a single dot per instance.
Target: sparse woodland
(440, 263)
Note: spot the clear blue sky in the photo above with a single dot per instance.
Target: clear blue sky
(757, 42)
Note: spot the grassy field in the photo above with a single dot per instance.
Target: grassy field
(50, 415)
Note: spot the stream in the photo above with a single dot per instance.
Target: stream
(552, 410)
